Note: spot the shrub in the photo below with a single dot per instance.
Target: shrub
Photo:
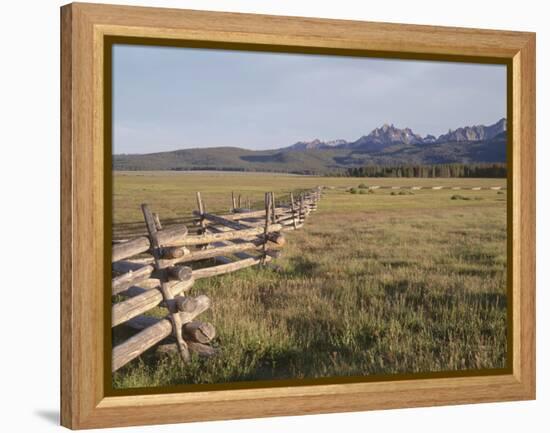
(363, 186)
(459, 197)
(363, 191)
(353, 190)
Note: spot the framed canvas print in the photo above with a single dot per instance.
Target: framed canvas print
(266, 215)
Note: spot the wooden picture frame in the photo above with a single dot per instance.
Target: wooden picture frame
(84, 29)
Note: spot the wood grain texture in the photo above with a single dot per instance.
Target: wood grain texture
(132, 278)
(139, 343)
(68, 355)
(84, 399)
(524, 215)
(132, 307)
(234, 234)
(199, 332)
(171, 236)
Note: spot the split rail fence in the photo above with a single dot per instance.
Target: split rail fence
(159, 269)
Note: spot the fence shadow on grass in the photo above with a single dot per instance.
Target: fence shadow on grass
(302, 267)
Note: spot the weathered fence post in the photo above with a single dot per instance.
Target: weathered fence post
(166, 276)
(202, 221)
(302, 210)
(200, 206)
(158, 225)
(273, 216)
(233, 202)
(267, 200)
(293, 209)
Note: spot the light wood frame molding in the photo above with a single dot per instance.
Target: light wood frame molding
(84, 403)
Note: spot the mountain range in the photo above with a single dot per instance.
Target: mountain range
(388, 135)
(386, 145)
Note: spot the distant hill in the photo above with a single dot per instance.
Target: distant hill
(316, 145)
(386, 145)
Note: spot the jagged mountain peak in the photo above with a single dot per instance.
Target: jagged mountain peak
(316, 144)
(385, 136)
(429, 138)
(474, 133)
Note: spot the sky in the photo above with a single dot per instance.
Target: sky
(168, 98)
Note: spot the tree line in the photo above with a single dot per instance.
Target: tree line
(489, 170)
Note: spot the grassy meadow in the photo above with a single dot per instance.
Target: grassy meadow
(375, 283)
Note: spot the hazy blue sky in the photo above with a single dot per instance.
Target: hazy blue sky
(176, 98)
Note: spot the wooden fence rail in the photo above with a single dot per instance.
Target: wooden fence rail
(160, 268)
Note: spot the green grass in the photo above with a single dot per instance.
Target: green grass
(372, 284)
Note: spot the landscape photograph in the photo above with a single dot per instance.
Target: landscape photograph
(286, 217)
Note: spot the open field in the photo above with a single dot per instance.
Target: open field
(373, 284)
